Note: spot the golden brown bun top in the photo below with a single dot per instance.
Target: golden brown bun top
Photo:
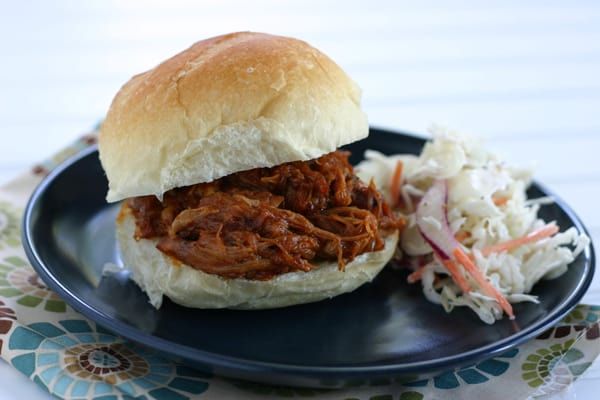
(226, 104)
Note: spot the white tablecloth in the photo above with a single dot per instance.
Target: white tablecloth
(524, 76)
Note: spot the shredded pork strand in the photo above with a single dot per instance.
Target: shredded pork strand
(260, 223)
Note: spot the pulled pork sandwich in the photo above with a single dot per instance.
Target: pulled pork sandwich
(235, 195)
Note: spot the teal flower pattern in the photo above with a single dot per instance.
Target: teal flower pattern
(470, 375)
(75, 360)
(554, 368)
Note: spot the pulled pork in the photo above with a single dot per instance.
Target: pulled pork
(260, 223)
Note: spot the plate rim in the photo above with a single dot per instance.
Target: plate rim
(230, 365)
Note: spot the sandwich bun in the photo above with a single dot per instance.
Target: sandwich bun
(227, 104)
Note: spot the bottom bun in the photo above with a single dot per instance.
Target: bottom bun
(159, 275)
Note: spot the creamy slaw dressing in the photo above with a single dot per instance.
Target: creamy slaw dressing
(476, 180)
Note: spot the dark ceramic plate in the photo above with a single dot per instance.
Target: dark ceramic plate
(384, 329)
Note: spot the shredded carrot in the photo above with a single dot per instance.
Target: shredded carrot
(396, 183)
(451, 266)
(457, 277)
(534, 236)
(415, 276)
(461, 236)
(500, 201)
(417, 273)
(487, 287)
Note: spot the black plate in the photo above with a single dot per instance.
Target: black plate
(383, 329)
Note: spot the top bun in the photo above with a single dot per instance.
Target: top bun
(227, 104)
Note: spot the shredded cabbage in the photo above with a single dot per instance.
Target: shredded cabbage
(476, 180)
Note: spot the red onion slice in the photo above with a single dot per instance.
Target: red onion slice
(432, 220)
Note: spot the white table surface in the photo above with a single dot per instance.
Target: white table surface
(524, 76)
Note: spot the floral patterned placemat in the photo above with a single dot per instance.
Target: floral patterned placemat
(73, 358)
